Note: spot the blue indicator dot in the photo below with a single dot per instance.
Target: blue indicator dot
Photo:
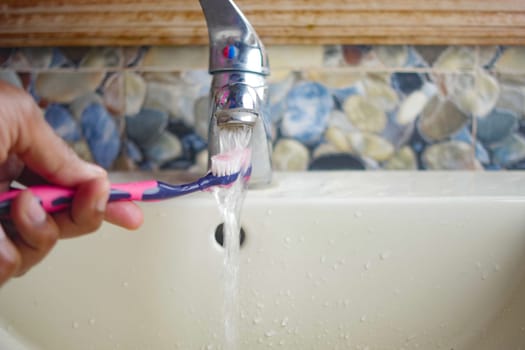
(229, 51)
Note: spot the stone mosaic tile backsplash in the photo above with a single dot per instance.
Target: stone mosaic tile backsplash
(331, 107)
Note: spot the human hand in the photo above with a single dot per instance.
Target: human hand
(30, 152)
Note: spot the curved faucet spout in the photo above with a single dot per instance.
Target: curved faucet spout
(234, 44)
(239, 91)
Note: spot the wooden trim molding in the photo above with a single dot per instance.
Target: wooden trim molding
(180, 22)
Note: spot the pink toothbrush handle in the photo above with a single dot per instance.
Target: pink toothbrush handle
(52, 198)
(55, 198)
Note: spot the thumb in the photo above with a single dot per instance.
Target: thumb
(26, 134)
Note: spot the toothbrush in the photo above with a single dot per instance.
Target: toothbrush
(225, 169)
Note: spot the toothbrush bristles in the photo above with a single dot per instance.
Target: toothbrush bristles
(231, 162)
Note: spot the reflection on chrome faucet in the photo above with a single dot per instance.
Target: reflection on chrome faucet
(239, 91)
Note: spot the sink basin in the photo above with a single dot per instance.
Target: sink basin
(335, 260)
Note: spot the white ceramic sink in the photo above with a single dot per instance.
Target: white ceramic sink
(331, 261)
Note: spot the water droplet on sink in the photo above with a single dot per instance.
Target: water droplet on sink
(411, 337)
(358, 214)
(363, 318)
(368, 265)
(125, 284)
(270, 333)
(322, 259)
(288, 239)
(92, 322)
(256, 320)
(497, 267)
(384, 255)
(269, 212)
(284, 322)
(75, 325)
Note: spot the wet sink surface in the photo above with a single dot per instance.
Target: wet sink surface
(330, 261)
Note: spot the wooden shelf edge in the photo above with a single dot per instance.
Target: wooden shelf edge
(86, 39)
(178, 22)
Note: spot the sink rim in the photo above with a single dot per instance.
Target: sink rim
(359, 185)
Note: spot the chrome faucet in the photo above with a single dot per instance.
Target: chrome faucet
(239, 91)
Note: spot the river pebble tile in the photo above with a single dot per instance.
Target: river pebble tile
(512, 98)
(38, 57)
(378, 90)
(386, 107)
(146, 126)
(64, 87)
(407, 83)
(103, 57)
(474, 93)
(412, 106)
(451, 155)
(510, 151)
(456, 59)
(440, 119)
(101, 133)
(404, 159)
(166, 147)
(62, 122)
(337, 161)
(11, 76)
(370, 145)
(393, 56)
(308, 107)
(290, 155)
(512, 60)
(496, 126)
(135, 92)
(364, 114)
(114, 95)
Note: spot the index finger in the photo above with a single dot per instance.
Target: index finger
(28, 135)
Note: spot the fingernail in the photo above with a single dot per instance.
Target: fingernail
(95, 169)
(35, 213)
(102, 203)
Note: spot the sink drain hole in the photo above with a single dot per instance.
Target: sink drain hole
(219, 235)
